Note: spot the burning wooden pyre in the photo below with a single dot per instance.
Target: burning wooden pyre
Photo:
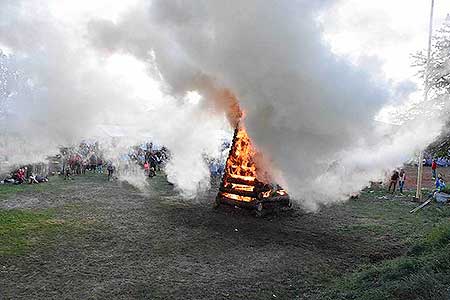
(242, 184)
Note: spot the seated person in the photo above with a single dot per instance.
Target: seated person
(18, 177)
(32, 179)
(9, 179)
(41, 179)
(440, 184)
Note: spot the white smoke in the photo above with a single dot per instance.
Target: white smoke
(307, 109)
(68, 93)
(312, 113)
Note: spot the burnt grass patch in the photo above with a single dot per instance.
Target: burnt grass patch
(92, 239)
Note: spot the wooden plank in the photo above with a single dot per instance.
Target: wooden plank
(239, 181)
(238, 192)
(421, 206)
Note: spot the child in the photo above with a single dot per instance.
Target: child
(147, 168)
(433, 169)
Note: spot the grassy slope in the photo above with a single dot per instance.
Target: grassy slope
(423, 272)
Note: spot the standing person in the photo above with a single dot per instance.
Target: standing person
(110, 169)
(401, 180)
(93, 163)
(84, 166)
(394, 180)
(158, 160)
(99, 166)
(433, 168)
(153, 162)
(147, 168)
(67, 173)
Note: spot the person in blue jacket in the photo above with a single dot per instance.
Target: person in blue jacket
(440, 183)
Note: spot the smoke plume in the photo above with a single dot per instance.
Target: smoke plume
(60, 91)
(310, 112)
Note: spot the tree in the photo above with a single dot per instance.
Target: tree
(438, 82)
(439, 72)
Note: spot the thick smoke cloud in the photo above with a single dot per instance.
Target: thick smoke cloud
(60, 91)
(312, 113)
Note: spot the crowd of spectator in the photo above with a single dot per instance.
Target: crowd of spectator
(78, 160)
(440, 192)
(147, 157)
(440, 161)
(24, 175)
(217, 164)
(88, 157)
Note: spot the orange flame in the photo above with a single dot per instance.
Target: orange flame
(243, 180)
(237, 197)
(246, 170)
(240, 163)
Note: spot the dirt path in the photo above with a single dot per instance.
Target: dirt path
(154, 245)
(427, 181)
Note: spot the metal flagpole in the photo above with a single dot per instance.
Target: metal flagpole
(425, 96)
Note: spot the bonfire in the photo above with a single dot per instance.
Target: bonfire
(245, 183)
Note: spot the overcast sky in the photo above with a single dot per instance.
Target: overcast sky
(386, 31)
(389, 30)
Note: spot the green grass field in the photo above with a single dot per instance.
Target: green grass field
(9, 190)
(389, 253)
(22, 229)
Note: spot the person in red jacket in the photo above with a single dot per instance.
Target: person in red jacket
(433, 169)
(147, 168)
(21, 176)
